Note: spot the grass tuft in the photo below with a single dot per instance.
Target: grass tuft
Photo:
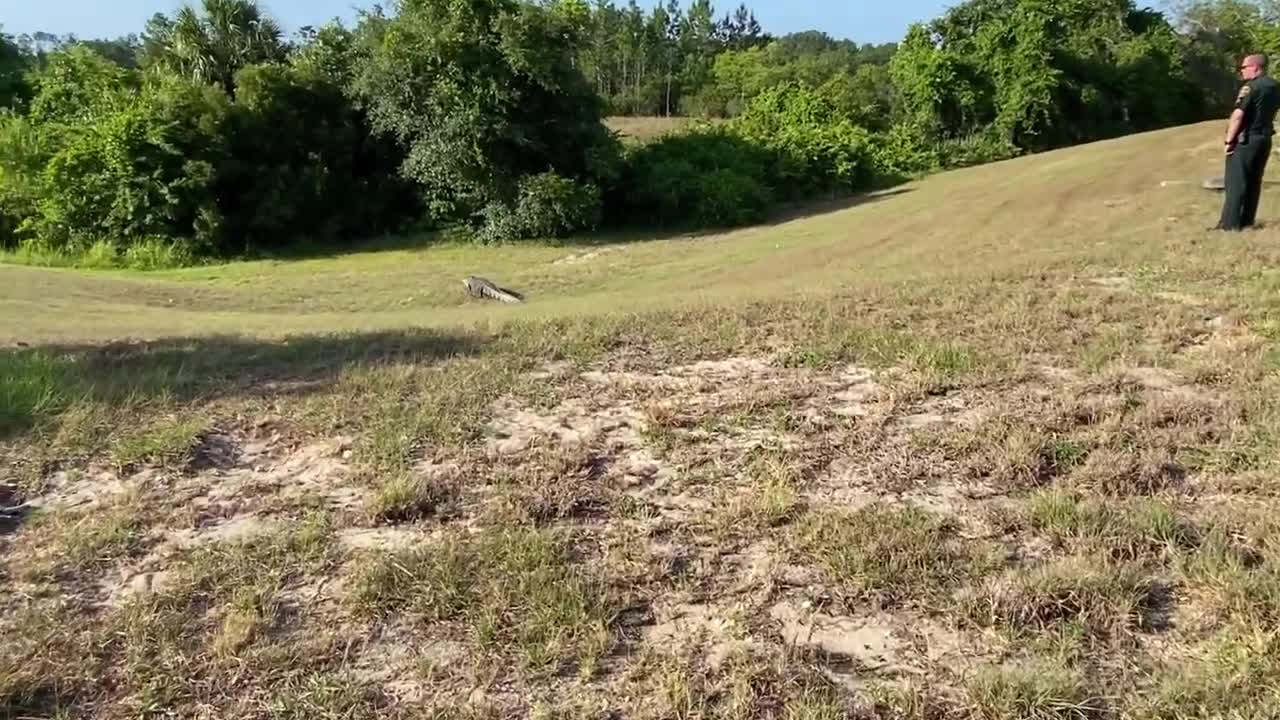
(547, 485)
(407, 497)
(890, 555)
(1017, 456)
(34, 385)
(939, 365)
(165, 443)
(71, 544)
(1235, 672)
(773, 498)
(1122, 472)
(1138, 529)
(1107, 601)
(1239, 581)
(1039, 693)
(519, 593)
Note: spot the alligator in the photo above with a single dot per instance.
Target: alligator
(483, 288)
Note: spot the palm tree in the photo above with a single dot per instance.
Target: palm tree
(210, 46)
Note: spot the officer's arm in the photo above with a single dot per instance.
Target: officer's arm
(1233, 125)
(1237, 115)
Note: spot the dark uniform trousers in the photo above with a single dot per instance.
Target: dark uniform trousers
(1245, 168)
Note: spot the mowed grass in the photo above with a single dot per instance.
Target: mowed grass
(1025, 415)
(646, 128)
(1093, 210)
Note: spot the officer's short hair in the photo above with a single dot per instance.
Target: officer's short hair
(1259, 59)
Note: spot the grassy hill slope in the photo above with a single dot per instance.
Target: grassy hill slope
(997, 444)
(1090, 209)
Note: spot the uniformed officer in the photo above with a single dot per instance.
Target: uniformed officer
(1248, 143)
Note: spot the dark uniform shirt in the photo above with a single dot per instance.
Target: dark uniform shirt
(1259, 98)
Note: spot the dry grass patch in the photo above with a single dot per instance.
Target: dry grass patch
(1130, 471)
(74, 545)
(1045, 692)
(644, 128)
(406, 497)
(219, 634)
(549, 484)
(1108, 601)
(771, 499)
(750, 683)
(1236, 574)
(890, 555)
(516, 593)
(1017, 455)
(1237, 673)
(48, 658)
(222, 629)
(1138, 529)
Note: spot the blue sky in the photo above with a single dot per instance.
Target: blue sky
(860, 20)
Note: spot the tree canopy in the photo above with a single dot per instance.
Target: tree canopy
(211, 133)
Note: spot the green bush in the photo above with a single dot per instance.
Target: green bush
(302, 165)
(77, 85)
(904, 151)
(817, 149)
(554, 206)
(481, 94)
(290, 158)
(703, 177)
(142, 171)
(976, 149)
(19, 170)
(725, 198)
(25, 148)
(547, 206)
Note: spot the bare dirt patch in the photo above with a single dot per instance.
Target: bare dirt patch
(681, 498)
(584, 257)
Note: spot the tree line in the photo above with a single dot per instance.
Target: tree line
(211, 133)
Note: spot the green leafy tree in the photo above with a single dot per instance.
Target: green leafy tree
(1216, 34)
(818, 149)
(300, 163)
(77, 86)
(73, 90)
(136, 171)
(1043, 73)
(14, 64)
(482, 93)
(122, 51)
(857, 81)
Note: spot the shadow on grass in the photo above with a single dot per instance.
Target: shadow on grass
(11, 511)
(614, 235)
(40, 382)
(784, 213)
(801, 211)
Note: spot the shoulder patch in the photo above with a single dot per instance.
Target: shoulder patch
(1244, 92)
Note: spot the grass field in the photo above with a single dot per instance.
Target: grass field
(645, 128)
(1000, 443)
